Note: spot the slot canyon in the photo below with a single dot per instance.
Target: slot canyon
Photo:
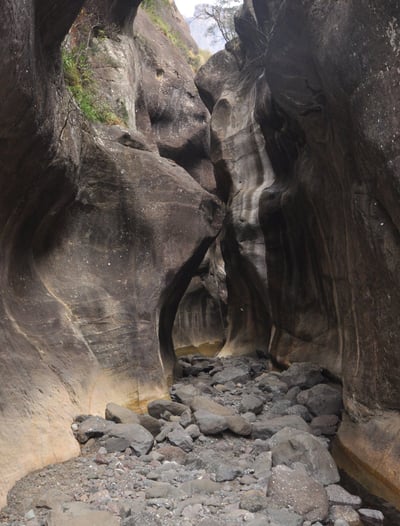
(152, 207)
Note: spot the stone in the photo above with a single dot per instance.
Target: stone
(339, 496)
(251, 403)
(239, 425)
(150, 423)
(121, 415)
(162, 490)
(303, 375)
(193, 431)
(185, 393)
(295, 489)
(270, 383)
(345, 513)
(300, 410)
(172, 454)
(200, 486)
(134, 435)
(266, 428)
(283, 518)
(370, 517)
(51, 499)
(253, 500)
(210, 423)
(157, 408)
(290, 446)
(207, 404)
(263, 464)
(93, 427)
(232, 374)
(80, 514)
(180, 438)
(225, 472)
(322, 399)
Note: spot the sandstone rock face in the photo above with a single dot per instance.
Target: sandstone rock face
(305, 143)
(99, 235)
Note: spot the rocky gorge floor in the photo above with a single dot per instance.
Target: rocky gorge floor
(238, 443)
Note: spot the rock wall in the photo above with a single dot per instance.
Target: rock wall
(99, 234)
(305, 143)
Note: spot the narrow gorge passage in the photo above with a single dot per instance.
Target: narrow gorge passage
(152, 205)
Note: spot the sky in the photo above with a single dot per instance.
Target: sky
(186, 7)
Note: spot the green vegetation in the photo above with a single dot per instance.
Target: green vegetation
(80, 83)
(153, 8)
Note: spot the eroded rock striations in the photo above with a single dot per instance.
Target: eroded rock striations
(305, 143)
(99, 234)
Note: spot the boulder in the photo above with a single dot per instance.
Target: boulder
(251, 403)
(303, 375)
(266, 428)
(294, 488)
(322, 399)
(206, 404)
(232, 374)
(290, 446)
(339, 496)
(121, 415)
(135, 436)
(80, 514)
(210, 423)
(93, 427)
(157, 408)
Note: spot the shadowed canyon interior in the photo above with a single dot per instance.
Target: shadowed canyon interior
(119, 246)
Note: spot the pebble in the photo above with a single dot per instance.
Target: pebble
(236, 445)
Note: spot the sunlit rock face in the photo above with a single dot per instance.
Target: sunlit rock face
(305, 141)
(99, 236)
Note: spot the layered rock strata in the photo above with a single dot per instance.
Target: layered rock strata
(99, 234)
(305, 142)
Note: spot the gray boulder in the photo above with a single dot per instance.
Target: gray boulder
(295, 489)
(339, 496)
(206, 404)
(371, 517)
(240, 374)
(210, 423)
(266, 428)
(93, 427)
(134, 436)
(180, 438)
(304, 375)
(322, 399)
(251, 403)
(157, 408)
(290, 446)
(80, 514)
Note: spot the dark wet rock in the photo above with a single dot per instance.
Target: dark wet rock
(322, 399)
(295, 489)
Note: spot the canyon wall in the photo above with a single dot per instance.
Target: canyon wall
(306, 147)
(101, 224)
